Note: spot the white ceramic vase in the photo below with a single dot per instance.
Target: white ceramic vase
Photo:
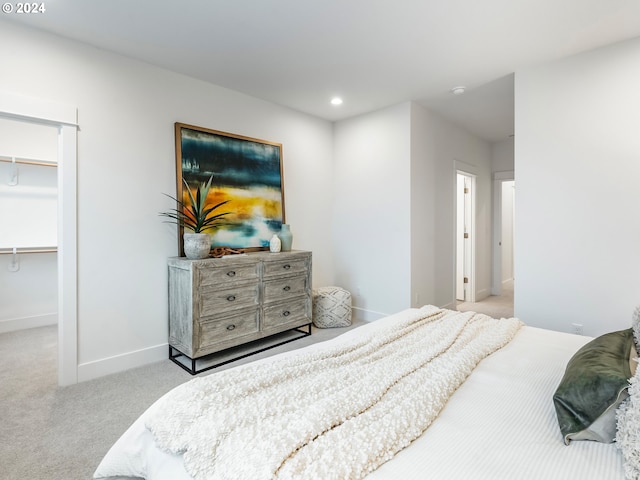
(275, 244)
(197, 245)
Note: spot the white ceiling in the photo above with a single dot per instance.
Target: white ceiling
(373, 53)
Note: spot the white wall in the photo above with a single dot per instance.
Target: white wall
(372, 210)
(372, 197)
(126, 112)
(502, 155)
(28, 296)
(423, 212)
(577, 162)
(28, 209)
(395, 184)
(453, 148)
(439, 148)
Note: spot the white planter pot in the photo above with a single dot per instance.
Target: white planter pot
(197, 245)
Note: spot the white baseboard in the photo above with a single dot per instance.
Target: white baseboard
(14, 324)
(120, 363)
(366, 315)
(370, 315)
(482, 294)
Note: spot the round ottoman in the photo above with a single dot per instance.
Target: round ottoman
(331, 307)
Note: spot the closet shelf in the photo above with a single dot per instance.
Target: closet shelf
(12, 251)
(27, 161)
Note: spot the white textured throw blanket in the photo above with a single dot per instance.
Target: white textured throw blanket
(338, 413)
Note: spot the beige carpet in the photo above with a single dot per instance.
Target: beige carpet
(53, 433)
(496, 306)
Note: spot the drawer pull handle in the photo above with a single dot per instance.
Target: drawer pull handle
(231, 274)
(286, 313)
(231, 327)
(286, 267)
(231, 298)
(287, 288)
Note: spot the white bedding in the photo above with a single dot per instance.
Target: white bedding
(499, 424)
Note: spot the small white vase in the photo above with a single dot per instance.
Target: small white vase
(275, 244)
(197, 245)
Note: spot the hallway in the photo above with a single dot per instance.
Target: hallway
(497, 306)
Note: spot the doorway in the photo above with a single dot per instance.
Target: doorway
(28, 247)
(500, 303)
(503, 268)
(508, 217)
(465, 236)
(64, 118)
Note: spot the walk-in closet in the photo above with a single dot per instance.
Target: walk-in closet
(28, 244)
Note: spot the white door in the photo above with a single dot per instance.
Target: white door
(464, 237)
(459, 238)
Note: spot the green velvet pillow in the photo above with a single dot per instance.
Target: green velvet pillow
(594, 384)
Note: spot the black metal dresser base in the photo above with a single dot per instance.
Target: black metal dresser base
(257, 346)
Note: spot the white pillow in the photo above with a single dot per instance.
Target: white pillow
(635, 324)
(628, 416)
(628, 433)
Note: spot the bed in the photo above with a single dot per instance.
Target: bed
(498, 421)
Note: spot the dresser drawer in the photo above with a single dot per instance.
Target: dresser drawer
(223, 275)
(291, 266)
(224, 330)
(283, 289)
(297, 310)
(222, 300)
(218, 304)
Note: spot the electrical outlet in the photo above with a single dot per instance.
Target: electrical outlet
(576, 328)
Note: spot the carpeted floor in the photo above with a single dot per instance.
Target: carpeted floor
(53, 433)
(496, 306)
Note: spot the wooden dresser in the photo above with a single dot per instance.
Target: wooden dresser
(219, 303)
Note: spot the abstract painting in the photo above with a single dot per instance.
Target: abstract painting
(247, 172)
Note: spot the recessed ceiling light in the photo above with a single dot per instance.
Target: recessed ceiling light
(336, 101)
(458, 90)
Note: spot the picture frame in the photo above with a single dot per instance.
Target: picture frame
(247, 172)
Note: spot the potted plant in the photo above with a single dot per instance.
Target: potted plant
(198, 217)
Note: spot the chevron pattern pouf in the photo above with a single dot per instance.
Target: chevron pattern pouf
(331, 307)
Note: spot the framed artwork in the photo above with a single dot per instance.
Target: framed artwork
(247, 172)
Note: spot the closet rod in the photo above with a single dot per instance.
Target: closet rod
(28, 161)
(5, 251)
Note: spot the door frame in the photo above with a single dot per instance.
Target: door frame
(469, 171)
(64, 117)
(496, 270)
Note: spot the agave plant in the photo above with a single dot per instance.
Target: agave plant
(197, 216)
